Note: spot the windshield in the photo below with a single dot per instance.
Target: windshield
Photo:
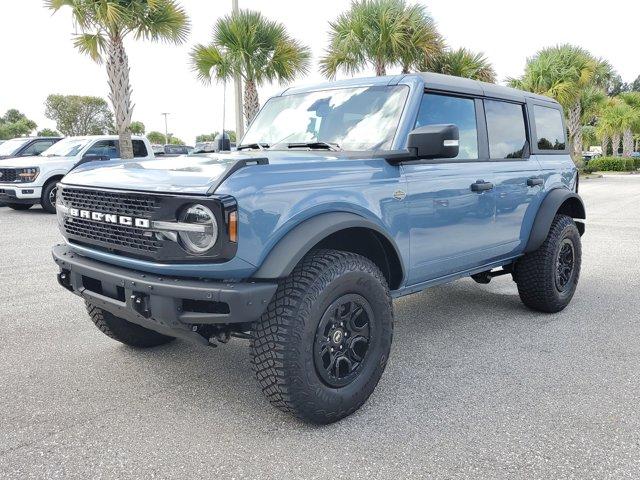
(10, 146)
(363, 118)
(67, 147)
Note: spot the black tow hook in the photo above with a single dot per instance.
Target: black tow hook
(64, 279)
(140, 303)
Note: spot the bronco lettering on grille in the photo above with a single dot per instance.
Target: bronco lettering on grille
(110, 218)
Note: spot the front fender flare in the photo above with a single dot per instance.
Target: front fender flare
(296, 243)
(557, 199)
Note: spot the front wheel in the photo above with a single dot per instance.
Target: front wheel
(322, 345)
(48, 199)
(123, 331)
(548, 277)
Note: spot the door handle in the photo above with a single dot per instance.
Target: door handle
(481, 186)
(534, 181)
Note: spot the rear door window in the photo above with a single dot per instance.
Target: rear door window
(139, 148)
(438, 109)
(549, 128)
(506, 129)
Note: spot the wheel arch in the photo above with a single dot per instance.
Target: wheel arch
(557, 201)
(338, 230)
(54, 177)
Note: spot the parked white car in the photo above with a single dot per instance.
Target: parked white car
(27, 181)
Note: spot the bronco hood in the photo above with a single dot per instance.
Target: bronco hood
(195, 174)
(187, 174)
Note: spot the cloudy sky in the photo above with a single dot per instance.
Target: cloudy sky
(38, 58)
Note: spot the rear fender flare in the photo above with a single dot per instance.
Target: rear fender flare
(557, 200)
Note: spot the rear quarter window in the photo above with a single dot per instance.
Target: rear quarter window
(549, 128)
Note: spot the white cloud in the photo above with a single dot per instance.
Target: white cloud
(38, 58)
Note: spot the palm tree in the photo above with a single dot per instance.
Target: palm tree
(618, 120)
(632, 100)
(565, 72)
(381, 33)
(461, 63)
(104, 25)
(255, 48)
(589, 135)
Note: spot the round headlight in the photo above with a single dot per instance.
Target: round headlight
(201, 239)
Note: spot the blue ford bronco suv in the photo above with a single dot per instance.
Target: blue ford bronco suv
(341, 197)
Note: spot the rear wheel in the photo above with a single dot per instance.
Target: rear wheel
(124, 331)
(48, 198)
(19, 206)
(322, 345)
(548, 277)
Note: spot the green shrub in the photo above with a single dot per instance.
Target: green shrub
(612, 164)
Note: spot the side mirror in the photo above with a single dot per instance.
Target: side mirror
(434, 141)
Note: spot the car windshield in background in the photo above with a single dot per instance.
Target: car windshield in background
(363, 118)
(67, 147)
(11, 146)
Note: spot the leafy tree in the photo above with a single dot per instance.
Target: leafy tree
(175, 140)
(461, 63)
(104, 25)
(565, 72)
(635, 85)
(257, 49)
(380, 33)
(137, 128)
(210, 137)
(47, 132)
(156, 137)
(616, 86)
(15, 124)
(79, 115)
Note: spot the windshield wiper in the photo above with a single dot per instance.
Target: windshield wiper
(259, 146)
(334, 147)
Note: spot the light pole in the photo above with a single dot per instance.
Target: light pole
(237, 82)
(166, 130)
(224, 108)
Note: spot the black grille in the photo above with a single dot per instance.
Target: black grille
(143, 243)
(113, 236)
(8, 175)
(119, 203)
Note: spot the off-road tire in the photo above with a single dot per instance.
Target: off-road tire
(19, 206)
(124, 331)
(282, 347)
(48, 205)
(535, 273)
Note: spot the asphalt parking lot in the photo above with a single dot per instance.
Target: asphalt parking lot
(477, 385)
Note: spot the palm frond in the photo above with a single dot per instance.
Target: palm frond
(461, 63)
(209, 62)
(92, 44)
(163, 20)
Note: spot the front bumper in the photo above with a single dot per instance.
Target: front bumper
(168, 305)
(13, 193)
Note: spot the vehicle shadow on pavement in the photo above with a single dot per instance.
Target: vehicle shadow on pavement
(432, 330)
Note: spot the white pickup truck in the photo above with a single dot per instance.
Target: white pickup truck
(27, 181)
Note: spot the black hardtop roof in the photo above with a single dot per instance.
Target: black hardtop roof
(449, 83)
